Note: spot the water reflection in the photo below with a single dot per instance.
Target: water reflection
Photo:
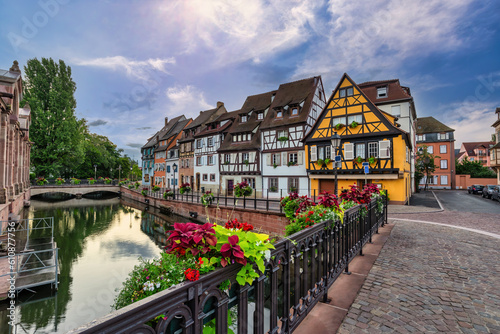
(99, 244)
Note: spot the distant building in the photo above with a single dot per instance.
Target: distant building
(439, 140)
(476, 151)
(14, 142)
(495, 149)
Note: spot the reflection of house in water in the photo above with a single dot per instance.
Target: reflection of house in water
(155, 224)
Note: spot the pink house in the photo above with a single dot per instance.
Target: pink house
(476, 151)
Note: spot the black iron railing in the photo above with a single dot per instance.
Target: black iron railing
(297, 277)
(69, 182)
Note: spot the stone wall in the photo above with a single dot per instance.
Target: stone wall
(272, 223)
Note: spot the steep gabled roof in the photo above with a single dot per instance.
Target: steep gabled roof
(163, 133)
(290, 94)
(431, 125)
(228, 117)
(376, 122)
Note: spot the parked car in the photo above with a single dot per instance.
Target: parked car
(475, 189)
(486, 193)
(495, 194)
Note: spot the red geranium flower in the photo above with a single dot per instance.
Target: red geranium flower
(192, 274)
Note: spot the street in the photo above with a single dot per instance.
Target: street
(462, 201)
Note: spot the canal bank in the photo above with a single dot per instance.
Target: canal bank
(100, 241)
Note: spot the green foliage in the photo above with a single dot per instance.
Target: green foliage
(353, 124)
(283, 139)
(155, 188)
(314, 214)
(207, 198)
(474, 169)
(424, 165)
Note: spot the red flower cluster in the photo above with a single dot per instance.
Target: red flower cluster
(192, 274)
(237, 225)
(184, 185)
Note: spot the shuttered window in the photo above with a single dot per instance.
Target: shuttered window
(384, 149)
(349, 151)
(314, 155)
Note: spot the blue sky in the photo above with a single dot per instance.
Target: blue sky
(136, 62)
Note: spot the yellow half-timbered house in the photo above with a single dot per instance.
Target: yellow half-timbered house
(368, 135)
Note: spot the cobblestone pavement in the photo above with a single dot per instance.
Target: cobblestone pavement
(481, 221)
(432, 279)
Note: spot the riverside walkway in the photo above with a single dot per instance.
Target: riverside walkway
(428, 271)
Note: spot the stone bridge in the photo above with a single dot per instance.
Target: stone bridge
(72, 189)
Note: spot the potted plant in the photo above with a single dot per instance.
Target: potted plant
(275, 165)
(207, 198)
(339, 126)
(246, 162)
(273, 189)
(144, 191)
(75, 181)
(291, 163)
(185, 188)
(91, 180)
(226, 162)
(353, 124)
(107, 180)
(359, 160)
(137, 184)
(242, 189)
(168, 193)
(155, 188)
(283, 139)
(41, 181)
(59, 181)
(372, 160)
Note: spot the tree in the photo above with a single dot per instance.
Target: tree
(474, 169)
(56, 132)
(424, 165)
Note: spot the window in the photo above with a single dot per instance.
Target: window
(384, 149)
(444, 179)
(235, 138)
(342, 92)
(205, 177)
(227, 158)
(442, 148)
(396, 110)
(279, 113)
(430, 149)
(360, 150)
(244, 118)
(381, 92)
(250, 181)
(292, 157)
(187, 163)
(350, 91)
(276, 159)
(328, 152)
(282, 133)
(349, 151)
(212, 177)
(295, 111)
(293, 184)
(355, 118)
(420, 137)
(338, 120)
(444, 164)
(210, 159)
(321, 153)
(314, 153)
(260, 115)
(244, 157)
(273, 184)
(199, 161)
(199, 143)
(168, 168)
(373, 149)
(444, 136)
(210, 141)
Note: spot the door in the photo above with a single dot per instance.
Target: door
(229, 188)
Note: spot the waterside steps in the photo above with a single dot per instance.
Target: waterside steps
(35, 260)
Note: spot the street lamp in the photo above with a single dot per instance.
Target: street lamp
(95, 172)
(335, 140)
(174, 168)
(119, 172)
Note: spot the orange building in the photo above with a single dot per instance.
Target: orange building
(440, 142)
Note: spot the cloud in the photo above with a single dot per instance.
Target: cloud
(382, 35)
(239, 31)
(135, 145)
(136, 69)
(98, 122)
(186, 100)
(144, 128)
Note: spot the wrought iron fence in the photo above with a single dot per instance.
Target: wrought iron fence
(297, 277)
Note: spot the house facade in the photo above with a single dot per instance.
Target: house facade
(393, 98)
(476, 151)
(187, 142)
(495, 149)
(368, 135)
(15, 145)
(206, 157)
(239, 154)
(440, 141)
(293, 111)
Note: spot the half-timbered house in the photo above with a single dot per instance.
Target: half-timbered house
(207, 142)
(239, 154)
(495, 149)
(368, 135)
(187, 142)
(293, 111)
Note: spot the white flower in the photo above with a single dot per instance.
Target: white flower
(301, 270)
(267, 254)
(158, 285)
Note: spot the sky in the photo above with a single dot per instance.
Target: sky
(136, 62)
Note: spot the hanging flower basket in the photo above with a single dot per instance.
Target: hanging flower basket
(242, 189)
(353, 125)
(185, 188)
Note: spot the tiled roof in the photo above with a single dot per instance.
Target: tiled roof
(395, 92)
(202, 118)
(470, 147)
(289, 94)
(164, 131)
(430, 125)
(230, 116)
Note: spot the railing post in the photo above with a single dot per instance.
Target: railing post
(244, 202)
(255, 200)
(267, 201)
(56, 260)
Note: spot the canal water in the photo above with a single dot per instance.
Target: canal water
(99, 243)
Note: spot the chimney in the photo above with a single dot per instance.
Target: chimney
(166, 121)
(220, 104)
